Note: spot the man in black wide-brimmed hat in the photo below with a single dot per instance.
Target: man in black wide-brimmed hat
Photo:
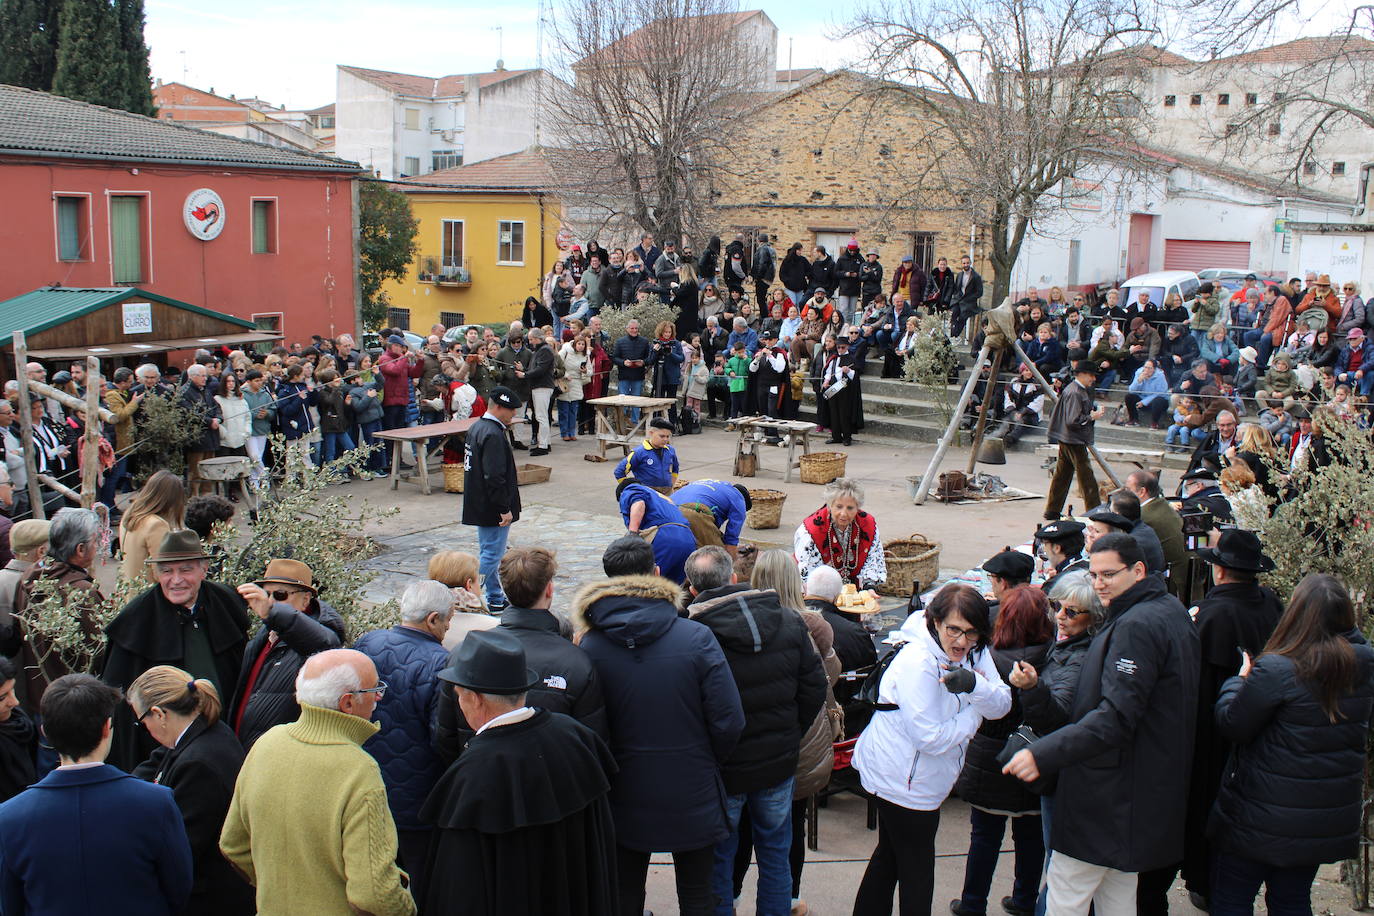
(1237, 616)
(522, 821)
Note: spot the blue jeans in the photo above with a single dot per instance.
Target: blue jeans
(1106, 380)
(770, 815)
(110, 488)
(635, 388)
(846, 306)
(567, 417)
(368, 433)
(393, 417)
(1046, 814)
(335, 444)
(491, 547)
(1236, 882)
(984, 846)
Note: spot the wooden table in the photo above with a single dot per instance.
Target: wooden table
(1140, 457)
(437, 431)
(789, 430)
(613, 426)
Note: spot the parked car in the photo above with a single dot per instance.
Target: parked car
(1232, 279)
(1159, 285)
(372, 343)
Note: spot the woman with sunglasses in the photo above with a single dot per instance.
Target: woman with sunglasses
(934, 694)
(199, 760)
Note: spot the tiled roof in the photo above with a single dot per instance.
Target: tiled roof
(1304, 50)
(46, 124)
(799, 74)
(322, 110)
(525, 170)
(626, 46)
(428, 87)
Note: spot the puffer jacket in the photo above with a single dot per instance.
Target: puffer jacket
(293, 410)
(911, 756)
(1049, 704)
(296, 637)
(846, 265)
(816, 758)
(409, 660)
(673, 710)
(779, 676)
(982, 782)
(1291, 793)
(367, 401)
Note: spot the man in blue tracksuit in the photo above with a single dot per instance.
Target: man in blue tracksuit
(654, 462)
(673, 541)
(728, 504)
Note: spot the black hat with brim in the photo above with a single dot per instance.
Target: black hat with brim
(1010, 564)
(1088, 366)
(490, 661)
(1237, 549)
(1108, 517)
(1060, 530)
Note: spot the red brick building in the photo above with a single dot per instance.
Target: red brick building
(98, 198)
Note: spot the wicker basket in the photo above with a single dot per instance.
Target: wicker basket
(911, 562)
(765, 510)
(822, 467)
(453, 478)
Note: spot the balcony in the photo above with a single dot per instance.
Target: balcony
(442, 271)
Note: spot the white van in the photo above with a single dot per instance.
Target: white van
(1182, 282)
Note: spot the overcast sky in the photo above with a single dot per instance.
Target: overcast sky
(285, 52)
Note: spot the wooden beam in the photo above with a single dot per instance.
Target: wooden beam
(1052, 397)
(59, 487)
(66, 400)
(929, 479)
(21, 375)
(90, 442)
(989, 393)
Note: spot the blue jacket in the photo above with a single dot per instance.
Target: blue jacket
(750, 338)
(722, 498)
(653, 467)
(674, 542)
(1151, 389)
(1048, 356)
(94, 840)
(366, 409)
(1367, 363)
(669, 354)
(409, 660)
(293, 412)
(673, 708)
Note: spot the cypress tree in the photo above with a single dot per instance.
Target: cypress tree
(134, 50)
(89, 65)
(28, 42)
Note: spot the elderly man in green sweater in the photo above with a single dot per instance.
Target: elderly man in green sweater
(309, 825)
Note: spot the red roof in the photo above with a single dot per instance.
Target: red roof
(1305, 50)
(525, 170)
(428, 87)
(625, 46)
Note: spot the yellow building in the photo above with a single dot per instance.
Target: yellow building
(488, 234)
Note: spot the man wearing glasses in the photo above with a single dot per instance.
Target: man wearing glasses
(309, 825)
(1124, 758)
(296, 625)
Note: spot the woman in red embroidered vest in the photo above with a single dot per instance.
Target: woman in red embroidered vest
(841, 535)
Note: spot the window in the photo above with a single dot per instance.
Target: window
(1195, 99)
(1309, 167)
(1337, 168)
(1252, 98)
(412, 166)
(452, 245)
(325, 122)
(73, 237)
(398, 318)
(270, 321)
(1232, 129)
(1274, 129)
(1280, 96)
(510, 240)
(412, 119)
(264, 227)
(1223, 98)
(922, 253)
(452, 319)
(126, 238)
(1170, 101)
(446, 158)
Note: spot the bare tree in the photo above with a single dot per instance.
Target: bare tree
(658, 86)
(1013, 97)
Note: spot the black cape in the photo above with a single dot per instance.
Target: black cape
(523, 825)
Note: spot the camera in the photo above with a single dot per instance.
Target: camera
(1197, 523)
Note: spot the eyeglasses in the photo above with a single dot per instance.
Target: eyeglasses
(1110, 574)
(379, 690)
(954, 632)
(146, 712)
(282, 594)
(1073, 613)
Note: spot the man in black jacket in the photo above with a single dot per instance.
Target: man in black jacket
(847, 281)
(491, 498)
(1123, 759)
(296, 625)
(539, 375)
(764, 268)
(1073, 428)
(781, 686)
(629, 354)
(967, 290)
(822, 272)
(853, 644)
(513, 367)
(198, 399)
(870, 277)
(567, 680)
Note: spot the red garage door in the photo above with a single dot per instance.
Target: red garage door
(1191, 254)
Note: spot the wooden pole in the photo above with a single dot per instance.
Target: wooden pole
(66, 400)
(924, 489)
(1049, 393)
(90, 442)
(21, 360)
(988, 394)
(58, 487)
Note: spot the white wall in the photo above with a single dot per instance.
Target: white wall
(1344, 256)
(504, 118)
(365, 128)
(441, 127)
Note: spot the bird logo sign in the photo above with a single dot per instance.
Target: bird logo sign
(204, 214)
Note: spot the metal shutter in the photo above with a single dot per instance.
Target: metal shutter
(1195, 255)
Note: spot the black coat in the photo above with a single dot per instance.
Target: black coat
(967, 299)
(823, 274)
(871, 278)
(853, 644)
(1124, 759)
(201, 401)
(613, 284)
(940, 287)
(1049, 704)
(673, 709)
(489, 482)
(151, 631)
(846, 265)
(272, 700)
(795, 272)
(982, 782)
(1292, 790)
(540, 371)
(522, 824)
(779, 675)
(18, 754)
(569, 683)
(201, 771)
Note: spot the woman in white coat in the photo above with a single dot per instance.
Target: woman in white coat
(933, 696)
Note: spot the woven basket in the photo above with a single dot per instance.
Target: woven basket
(765, 510)
(822, 467)
(453, 478)
(911, 562)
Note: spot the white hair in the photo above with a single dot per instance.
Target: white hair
(326, 689)
(147, 369)
(844, 486)
(824, 582)
(196, 371)
(420, 599)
